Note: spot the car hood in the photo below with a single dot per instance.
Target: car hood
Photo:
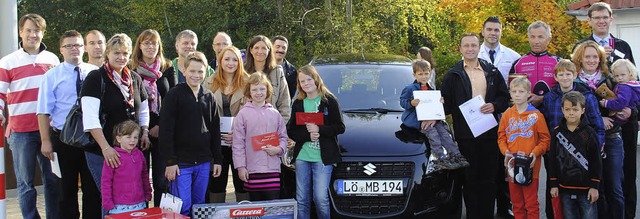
(378, 134)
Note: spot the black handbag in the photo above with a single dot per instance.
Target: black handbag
(72, 132)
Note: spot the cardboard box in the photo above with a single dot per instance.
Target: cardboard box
(279, 208)
(149, 213)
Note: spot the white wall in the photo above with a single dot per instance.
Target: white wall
(626, 26)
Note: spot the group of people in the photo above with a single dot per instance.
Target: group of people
(550, 110)
(147, 112)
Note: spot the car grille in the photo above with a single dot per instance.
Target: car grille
(373, 205)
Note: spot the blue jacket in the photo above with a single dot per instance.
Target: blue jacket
(552, 109)
(409, 116)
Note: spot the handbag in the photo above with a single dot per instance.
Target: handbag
(72, 132)
(170, 202)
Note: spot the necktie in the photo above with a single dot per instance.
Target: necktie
(491, 53)
(604, 43)
(78, 80)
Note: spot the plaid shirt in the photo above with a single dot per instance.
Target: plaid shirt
(552, 109)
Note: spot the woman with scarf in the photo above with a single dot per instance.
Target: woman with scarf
(149, 62)
(110, 95)
(260, 58)
(591, 64)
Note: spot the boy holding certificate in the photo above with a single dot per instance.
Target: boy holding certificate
(436, 131)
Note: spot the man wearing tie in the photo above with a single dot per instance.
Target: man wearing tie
(492, 50)
(600, 19)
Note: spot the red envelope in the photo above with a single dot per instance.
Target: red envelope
(303, 118)
(260, 141)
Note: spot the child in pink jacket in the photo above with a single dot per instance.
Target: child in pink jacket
(259, 166)
(126, 188)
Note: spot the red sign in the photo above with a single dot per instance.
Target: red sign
(260, 141)
(246, 212)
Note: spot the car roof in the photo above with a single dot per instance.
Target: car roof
(366, 58)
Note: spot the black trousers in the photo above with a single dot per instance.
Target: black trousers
(73, 163)
(479, 185)
(503, 200)
(264, 195)
(219, 184)
(157, 165)
(630, 141)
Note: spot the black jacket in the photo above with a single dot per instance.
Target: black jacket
(291, 74)
(456, 90)
(619, 45)
(333, 126)
(575, 164)
(189, 128)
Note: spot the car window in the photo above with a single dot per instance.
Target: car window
(366, 86)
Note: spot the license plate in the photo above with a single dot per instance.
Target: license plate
(370, 187)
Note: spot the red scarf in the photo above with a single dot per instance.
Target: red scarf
(122, 82)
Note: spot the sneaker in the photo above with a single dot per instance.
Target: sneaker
(448, 163)
(437, 165)
(458, 158)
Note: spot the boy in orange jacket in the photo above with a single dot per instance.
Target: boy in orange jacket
(523, 130)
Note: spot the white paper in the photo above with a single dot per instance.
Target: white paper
(430, 107)
(618, 53)
(478, 122)
(226, 126)
(55, 165)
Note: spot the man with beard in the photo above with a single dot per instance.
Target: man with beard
(186, 43)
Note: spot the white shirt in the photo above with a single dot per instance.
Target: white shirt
(504, 58)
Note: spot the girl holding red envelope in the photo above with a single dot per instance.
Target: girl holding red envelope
(316, 149)
(259, 140)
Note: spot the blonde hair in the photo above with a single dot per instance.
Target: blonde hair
(520, 82)
(256, 79)
(311, 71)
(239, 77)
(124, 128)
(578, 54)
(137, 57)
(117, 41)
(626, 65)
(196, 57)
(565, 65)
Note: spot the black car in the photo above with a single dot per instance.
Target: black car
(383, 172)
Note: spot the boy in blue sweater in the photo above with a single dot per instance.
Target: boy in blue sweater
(436, 131)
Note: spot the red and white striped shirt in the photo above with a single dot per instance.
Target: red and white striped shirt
(20, 78)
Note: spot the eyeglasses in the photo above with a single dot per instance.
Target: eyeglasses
(601, 18)
(149, 43)
(69, 46)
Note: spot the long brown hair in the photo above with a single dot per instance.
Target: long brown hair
(578, 54)
(313, 73)
(270, 62)
(239, 77)
(137, 57)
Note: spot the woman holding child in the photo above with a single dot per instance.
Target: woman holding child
(591, 64)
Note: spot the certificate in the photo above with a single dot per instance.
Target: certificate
(303, 118)
(430, 107)
(260, 141)
(226, 126)
(478, 122)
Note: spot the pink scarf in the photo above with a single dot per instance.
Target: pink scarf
(591, 80)
(150, 74)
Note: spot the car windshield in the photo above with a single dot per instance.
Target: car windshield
(367, 86)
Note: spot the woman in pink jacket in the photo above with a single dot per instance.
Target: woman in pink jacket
(126, 188)
(259, 139)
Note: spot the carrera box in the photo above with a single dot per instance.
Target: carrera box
(280, 209)
(149, 213)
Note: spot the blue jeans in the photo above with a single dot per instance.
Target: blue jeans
(191, 185)
(25, 147)
(94, 162)
(127, 208)
(313, 176)
(578, 206)
(612, 174)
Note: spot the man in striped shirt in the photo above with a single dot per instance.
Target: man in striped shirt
(21, 74)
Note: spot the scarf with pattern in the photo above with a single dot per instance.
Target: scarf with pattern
(150, 74)
(124, 82)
